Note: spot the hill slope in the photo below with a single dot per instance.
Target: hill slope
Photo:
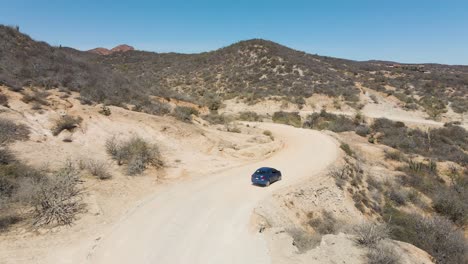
(249, 69)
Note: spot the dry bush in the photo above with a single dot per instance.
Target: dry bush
(6, 156)
(268, 133)
(383, 253)
(453, 205)
(3, 100)
(136, 153)
(36, 96)
(369, 234)
(105, 110)
(249, 116)
(66, 123)
(303, 240)
(9, 131)
(394, 155)
(58, 197)
(436, 235)
(287, 118)
(325, 224)
(184, 113)
(217, 119)
(96, 168)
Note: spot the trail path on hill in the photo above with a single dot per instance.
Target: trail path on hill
(207, 219)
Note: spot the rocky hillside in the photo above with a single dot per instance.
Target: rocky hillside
(119, 48)
(249, 70)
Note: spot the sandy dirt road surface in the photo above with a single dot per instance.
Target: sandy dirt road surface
(208, 219)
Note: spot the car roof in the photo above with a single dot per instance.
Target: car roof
(265, 168)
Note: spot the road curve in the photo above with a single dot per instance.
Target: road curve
(206, 220)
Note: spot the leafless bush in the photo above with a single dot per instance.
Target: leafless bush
(369, 234)
(136, 153)
(58, 197)
(65, 123)
(383, 253)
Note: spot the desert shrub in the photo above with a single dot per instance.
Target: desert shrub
(303, 240)
(216, 119)
(98, 169)
(347, 149)
(369, 234)
(328, 121)
(155, 108)
(446, 143)
(9, 131)
(184, 113)
(36, 96)
(136, 153)
(268, 133)
(105, 110)
(65, 123)
(394, 155)
(459, 105)
(436, 235)
(249, 116)
(6, 156)
(374, 98)
(287, 118)
(383, 253)
(398, 196)
(58, 197)
(3, 100)
(362, 130)
(325, 224)
(452, 204)
(434, 106)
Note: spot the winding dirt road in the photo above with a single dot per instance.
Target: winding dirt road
(207, 219)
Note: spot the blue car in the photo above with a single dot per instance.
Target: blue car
(264, 176)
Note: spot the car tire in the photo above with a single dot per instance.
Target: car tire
(267, 183)
(279, 179)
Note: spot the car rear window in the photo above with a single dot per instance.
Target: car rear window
(261, 171)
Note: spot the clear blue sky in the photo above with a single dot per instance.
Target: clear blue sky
(399, 30)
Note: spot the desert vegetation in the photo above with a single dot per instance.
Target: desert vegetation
(287, 118)
(136, 153)
(65, 123)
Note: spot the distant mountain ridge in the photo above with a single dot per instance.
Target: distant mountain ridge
(119, 48)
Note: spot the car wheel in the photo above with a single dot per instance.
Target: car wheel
(279, 179)
(267, 183)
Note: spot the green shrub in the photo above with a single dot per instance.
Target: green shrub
(332, 122)
(66, 123)
(184, 113)
(136, 153)
(347, 149)
(287, 118)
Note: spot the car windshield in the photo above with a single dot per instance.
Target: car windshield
(261, 171)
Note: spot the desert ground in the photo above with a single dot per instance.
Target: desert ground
(201, 207)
